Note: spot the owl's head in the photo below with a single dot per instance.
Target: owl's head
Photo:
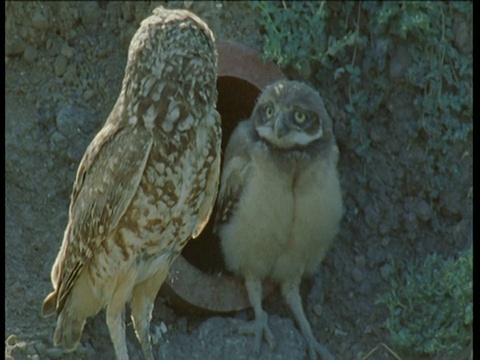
(290, 114)
(171, 70)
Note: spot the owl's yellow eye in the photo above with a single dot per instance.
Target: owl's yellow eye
(300, 117)
(269, 111)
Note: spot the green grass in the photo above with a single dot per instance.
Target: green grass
(348, 46)
(430, 305)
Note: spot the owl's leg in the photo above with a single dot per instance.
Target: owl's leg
(291, 293)
(116, 327)
(143, 298)
(116, 314)
(260, 325)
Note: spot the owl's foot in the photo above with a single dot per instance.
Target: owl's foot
(314, 348)
(259, 328)
(291, 293)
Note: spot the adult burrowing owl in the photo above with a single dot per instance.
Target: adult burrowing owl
(146, 184)
(280, 202)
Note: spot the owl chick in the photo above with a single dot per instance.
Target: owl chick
(280, 202)
(146, 184)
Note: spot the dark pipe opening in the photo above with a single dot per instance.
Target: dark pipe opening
(236, 100)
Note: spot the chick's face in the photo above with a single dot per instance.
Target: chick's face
(290, 117)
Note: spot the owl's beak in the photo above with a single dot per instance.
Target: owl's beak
(279, 127)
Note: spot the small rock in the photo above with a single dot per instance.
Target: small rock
(31, 350)
(67, 51)
(128, 11)
(385, 271)
(360, 261)
(378, 133)
(20, 347)
(45, 116)
(424, 211)
(102, 50)
(49, 44)
(58, 142)
(30, 54)
(384, 228)
(39, 21)
(15, 46)
(357, 274)
(90, 14)
(242, 315)
(60, 65)
(11, 340)
(365, 287)
(411, 222)
(87, 350)
(88, 94)
(158, 333)
(69, 119)
(77, 149)
(41, 348)
(339, 332)
(182, 324)
(188, 4)
(79, 58)
(385, 241)
(318, 310)
(70, 76)
(54, 353)
(371, 216)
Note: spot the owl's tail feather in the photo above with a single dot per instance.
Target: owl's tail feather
(69, 330)
(79, 305)
(49, 304)
(69, 322)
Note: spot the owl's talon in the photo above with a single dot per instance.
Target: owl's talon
(315, 348)
(259, 328)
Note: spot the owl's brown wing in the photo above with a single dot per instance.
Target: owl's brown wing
(213, 144)
(235, 171)
(107, 179)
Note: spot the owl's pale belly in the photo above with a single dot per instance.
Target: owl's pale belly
(284, 225)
